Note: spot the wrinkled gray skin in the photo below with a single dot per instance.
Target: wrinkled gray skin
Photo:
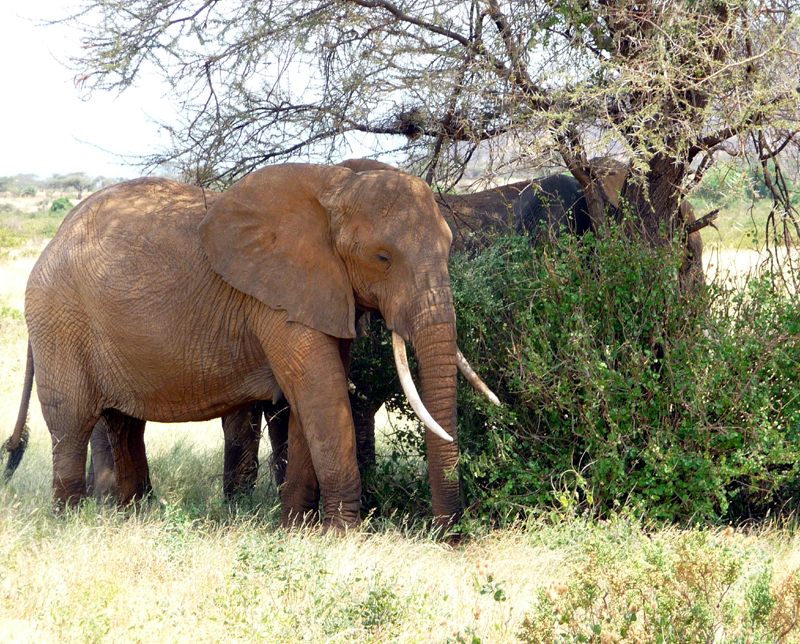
(161, 301)
(558, 202)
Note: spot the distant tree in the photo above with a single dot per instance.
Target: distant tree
(28, 180)
(667, 85)
(77, 181)
(7, 184)
(104, 182)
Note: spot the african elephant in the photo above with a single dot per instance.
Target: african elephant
(162, 301)
(542, 207)
(242, 429)
(535, 207)
(539, 208)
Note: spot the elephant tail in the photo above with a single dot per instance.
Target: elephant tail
(15, 446)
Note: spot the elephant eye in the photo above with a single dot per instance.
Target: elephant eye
(384, 256)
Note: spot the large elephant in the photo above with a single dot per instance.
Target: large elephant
(539, 208)
(161, 301)
(242, 429)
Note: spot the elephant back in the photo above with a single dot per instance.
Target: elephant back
(549, 204)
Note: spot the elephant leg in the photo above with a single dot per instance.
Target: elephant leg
(126, 435)
(300, 492)
(70, 430)
(278, 426)
(242, 432)
(312, 377)
(364, 422)
(102, 478)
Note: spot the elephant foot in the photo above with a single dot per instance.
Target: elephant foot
(126, 438)
(345, 517)
(101, 481)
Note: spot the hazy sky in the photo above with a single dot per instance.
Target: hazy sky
(45, 127)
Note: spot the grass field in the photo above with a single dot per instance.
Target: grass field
(188, 567)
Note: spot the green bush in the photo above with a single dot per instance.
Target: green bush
(618, 390)
(61, 206)
(29, 191)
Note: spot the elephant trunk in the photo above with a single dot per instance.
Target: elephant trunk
(410, 390)
(435, 347)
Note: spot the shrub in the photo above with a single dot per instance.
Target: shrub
(687, 587)
(29, 191)
(61, 206)
(619, 390)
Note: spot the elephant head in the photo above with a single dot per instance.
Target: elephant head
(337, 240)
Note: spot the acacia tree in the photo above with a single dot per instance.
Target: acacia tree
(77, 181)
(665, 85)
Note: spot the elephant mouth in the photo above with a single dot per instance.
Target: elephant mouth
(410, 390)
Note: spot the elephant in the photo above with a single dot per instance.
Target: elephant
(161, 301)
(242, 429)
(539, 208)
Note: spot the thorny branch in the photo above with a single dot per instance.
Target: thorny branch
(661, 86)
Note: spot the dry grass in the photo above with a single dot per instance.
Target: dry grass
(153, 577)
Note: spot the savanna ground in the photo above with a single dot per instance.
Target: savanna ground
(188, 567)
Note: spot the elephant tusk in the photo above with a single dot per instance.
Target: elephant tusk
(401, 361)
(474, 379)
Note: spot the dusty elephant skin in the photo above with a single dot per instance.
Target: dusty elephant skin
(539, 208)
(160, 301)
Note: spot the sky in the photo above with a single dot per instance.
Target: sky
(45, 127)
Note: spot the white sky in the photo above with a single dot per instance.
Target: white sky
(45, 127)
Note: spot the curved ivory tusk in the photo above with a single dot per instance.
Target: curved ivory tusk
(401, 361)
(474, 378)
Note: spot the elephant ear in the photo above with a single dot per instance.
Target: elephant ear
(270, 236)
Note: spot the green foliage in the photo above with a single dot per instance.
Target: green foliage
(29, 191)
(9, 238)
(670, 588)
(18, 228)
(10, 312)
(619, 390)
(61, 206)
(729, 183)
